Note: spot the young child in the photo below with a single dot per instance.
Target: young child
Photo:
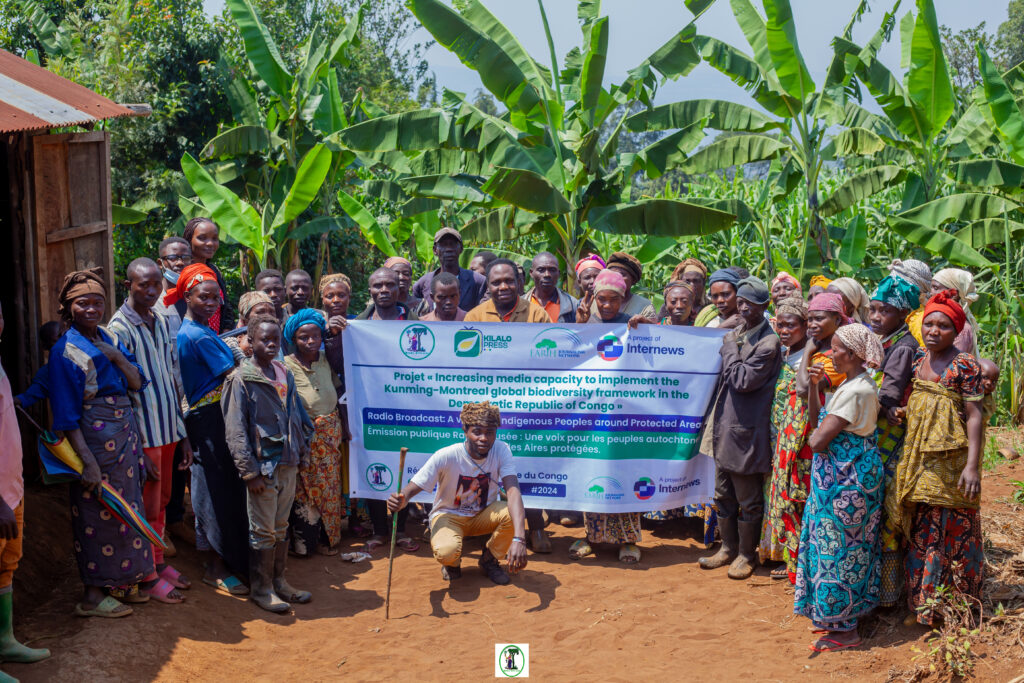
(989, 383)
(12, 507)
(268, 433)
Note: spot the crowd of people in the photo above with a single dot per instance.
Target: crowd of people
(846, 429)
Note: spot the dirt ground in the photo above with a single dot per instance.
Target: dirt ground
(594, 619)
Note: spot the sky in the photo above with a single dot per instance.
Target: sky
(638, 27)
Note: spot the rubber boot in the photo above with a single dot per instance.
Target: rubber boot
(10, 649)
(750, 535)
(730, 543)
(261, 568)
(281, 586)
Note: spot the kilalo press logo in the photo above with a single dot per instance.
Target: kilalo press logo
(604, 488)
(379, 477)
(609, 347)
(557, 342)
(644, 488)
(416, 342)
(468, 343)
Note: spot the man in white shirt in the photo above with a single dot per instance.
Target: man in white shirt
(466, 501)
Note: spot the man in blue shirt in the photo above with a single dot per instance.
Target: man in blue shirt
(447, 249)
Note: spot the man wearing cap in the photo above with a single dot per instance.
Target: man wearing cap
(447, 248)
(751, 361)
(560, 306)
(630, 269)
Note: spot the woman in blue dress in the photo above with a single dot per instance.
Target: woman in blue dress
(837, 577)
(90, 375)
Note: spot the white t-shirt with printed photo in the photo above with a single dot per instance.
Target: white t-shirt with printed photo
(464, 486)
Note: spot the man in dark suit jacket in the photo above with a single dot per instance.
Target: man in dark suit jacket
(751, 361)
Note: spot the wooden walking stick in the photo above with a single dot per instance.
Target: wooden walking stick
(394, 533)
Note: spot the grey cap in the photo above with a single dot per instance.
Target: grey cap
(753, 290)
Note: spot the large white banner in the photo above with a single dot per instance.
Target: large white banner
(600, 418)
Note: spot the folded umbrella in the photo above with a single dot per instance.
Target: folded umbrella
(61, 463)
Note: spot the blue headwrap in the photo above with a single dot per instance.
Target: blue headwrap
(724, 275)
(898, 293)
(304, 316)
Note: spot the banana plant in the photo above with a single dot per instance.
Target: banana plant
(793, 121)
(267, 159)
(542, 168)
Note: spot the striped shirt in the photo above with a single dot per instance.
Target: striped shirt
(157, 405)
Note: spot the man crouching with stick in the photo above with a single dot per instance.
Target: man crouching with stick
(466, 501)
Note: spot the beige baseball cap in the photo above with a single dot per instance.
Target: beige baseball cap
(447, 231)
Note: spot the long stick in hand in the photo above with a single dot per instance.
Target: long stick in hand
(394, 533)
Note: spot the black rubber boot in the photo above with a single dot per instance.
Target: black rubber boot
(281, 586)
(261, 568)
(730, 545)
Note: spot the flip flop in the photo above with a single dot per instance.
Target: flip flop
(838, 646)
(105, 609)
(161, 592)
(779, 573)
(374, 543)
(580, 549)
(230, 586)
(175, 578)
(130, 595)
(407, 544)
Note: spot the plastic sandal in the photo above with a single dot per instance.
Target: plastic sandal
(407, 544)
(629, 553)
(231, 585)
(106, 609)
(161, 592)
(374, 543)
(580, 549)
(175, 578)
(836, 645)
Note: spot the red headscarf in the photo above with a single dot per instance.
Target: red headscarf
(192, 275)
(831, 302)
(945, 303)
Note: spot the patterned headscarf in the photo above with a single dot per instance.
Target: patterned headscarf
(863, 343)
(690, 264)
(79, 283)
(251, 300)
(786, 277)
(945, 302)
(677, 283)
(589, 261)
(916, 273)
(328, 280)
(898, 293)
(394, 260)
(304, 316)
(792, 305)
(831, 302)
(480, 414)
(191, 275)
(855, 293)
(609, 280)
(820, 281)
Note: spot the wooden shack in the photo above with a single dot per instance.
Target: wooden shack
(55, 215)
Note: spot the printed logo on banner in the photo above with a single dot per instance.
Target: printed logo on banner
(468, 343)
(511, 660)
(604, 488)
(609, 348)
(378, 476)
(416, 342)
(557, 342)
(644, 488)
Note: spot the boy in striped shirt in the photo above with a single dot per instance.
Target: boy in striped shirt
(157, 408)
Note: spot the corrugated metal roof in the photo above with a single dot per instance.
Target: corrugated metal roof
(32, 98)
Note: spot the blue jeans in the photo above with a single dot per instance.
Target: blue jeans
(268, 511)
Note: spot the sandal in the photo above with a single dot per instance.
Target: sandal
(108, 608)
(360, 531)
(374, 542)
(130, 595)
(779, 573)
(579, 549)
(162, 591)
(629, 553)
(327, 550)
(833, 645)
(407, 544)
(230, 585)
(175, 578)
